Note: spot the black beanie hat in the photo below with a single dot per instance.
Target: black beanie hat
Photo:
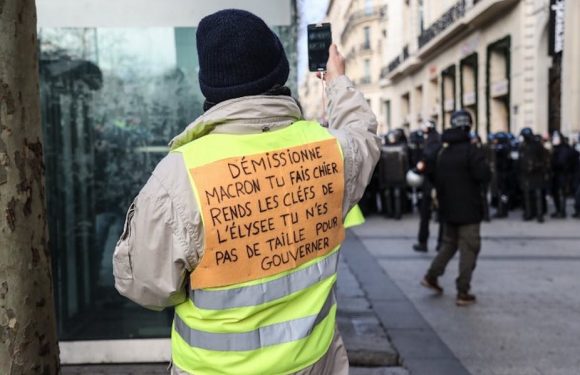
(238, 56)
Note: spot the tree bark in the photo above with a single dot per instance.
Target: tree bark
(28, 340)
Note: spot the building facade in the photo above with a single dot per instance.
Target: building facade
(358, 28)
(511, 63)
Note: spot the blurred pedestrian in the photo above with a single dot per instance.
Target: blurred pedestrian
(426, 167)
(461, 169)
(533, 167)
(562, 164)
(239, 226)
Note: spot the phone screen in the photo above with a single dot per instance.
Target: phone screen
(319, 40)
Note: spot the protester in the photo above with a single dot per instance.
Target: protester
(460, 171)
(239, 226)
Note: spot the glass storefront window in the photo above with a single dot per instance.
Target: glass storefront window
(112, 99)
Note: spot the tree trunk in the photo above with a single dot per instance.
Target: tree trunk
(28, 341)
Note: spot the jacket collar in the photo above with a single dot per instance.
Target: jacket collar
(246, 115)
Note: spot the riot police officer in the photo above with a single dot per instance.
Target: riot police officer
(576, 178)
(393, 167)
(503, 171)
(532, 169)
(416, 146)
(430, 150)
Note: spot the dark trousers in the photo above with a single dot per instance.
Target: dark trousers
(577, 201)
(559, 194)
(466, 239)
(533, 204)
(425, 209)
(425, 213)
(392, 201)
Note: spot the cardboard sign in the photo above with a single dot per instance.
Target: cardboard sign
(267, 213)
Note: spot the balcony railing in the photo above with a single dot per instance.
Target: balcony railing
(360, 16)
(365, 46)
(456, 12)
(395, 62)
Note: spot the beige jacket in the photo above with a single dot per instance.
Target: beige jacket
(162, 241)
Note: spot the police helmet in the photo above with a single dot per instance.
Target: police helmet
(461, 119)
(427, 126)
(396, 136)
(414, 179)
(527, 134)
(416, 137)
(502, 137)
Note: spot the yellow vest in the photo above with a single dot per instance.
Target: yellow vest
(262, 298)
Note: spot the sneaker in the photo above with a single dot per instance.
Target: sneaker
(420, 247)
(427, 282)
(465, 299)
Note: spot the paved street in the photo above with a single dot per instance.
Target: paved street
(527, 319)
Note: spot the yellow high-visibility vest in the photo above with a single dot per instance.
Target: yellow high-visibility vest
(262, 299)
(354, 217)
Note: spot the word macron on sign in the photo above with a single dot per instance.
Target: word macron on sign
(267, 213)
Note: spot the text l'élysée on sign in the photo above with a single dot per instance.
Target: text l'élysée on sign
(269, 212)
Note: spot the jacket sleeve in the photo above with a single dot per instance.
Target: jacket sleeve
(354, 125)
(479, 167)
(156, 250)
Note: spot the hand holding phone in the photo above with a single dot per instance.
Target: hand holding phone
(319, 41)
(335, 66)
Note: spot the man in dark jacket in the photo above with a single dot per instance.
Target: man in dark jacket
(532, 170)
(562, 165)
(460, 171)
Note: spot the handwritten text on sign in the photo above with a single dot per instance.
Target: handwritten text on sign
(267, 213)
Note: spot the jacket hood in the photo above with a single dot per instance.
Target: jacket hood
(245, 115)
(455, 135)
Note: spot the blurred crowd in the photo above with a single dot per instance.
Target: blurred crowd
(528, 171)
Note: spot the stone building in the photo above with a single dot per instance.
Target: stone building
(509, 62)
(358, 28)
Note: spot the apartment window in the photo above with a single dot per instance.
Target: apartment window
(421, 9)
(367, 71)
(387, 105)
(367, 36)
(368, 7)
(405, 109)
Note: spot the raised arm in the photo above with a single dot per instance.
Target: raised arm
(354, 124)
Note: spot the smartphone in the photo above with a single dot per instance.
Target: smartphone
(319, 40)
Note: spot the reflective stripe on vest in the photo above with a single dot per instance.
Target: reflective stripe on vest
(273, 318)
(252, 295)
(259, 338)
